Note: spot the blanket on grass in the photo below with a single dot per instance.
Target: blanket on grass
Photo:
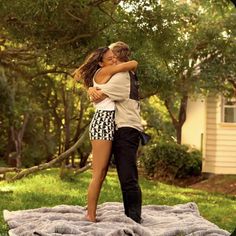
(66, 220)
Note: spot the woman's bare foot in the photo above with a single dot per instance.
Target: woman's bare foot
(91, 219)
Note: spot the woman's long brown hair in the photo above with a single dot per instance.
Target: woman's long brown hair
(91, 64)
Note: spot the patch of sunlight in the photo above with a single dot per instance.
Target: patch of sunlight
(177, 196)
(234, 207)
(76, 192)
(111, 183)
(8, 188)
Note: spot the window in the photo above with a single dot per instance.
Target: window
(229, 110)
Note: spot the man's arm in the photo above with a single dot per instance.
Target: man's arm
(96, 95)
(117, 88)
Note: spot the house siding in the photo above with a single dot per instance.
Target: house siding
(210, 135)
(194, 126)
(220, 141)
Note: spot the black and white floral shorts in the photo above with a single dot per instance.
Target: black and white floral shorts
(102, 125)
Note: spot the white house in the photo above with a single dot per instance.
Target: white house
(211, 127)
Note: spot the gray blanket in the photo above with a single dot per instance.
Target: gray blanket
(182, 219)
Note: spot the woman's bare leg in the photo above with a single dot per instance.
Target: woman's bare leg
(101, 150)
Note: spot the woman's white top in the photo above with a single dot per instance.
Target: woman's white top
(107, 104)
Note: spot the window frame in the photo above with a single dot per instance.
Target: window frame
(223, 106)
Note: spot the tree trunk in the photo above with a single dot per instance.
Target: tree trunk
(67, 111)
(4, 170)
(83, 158)
(182, 117)
(79, 128)
(54, 161)
(17, 137)
(66, 103)
(9, 149)
(178, 134)
(73, 160)
(62, 169)
(46, 133)
(178, 123)
(57, 119)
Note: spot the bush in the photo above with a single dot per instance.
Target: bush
(171, 160)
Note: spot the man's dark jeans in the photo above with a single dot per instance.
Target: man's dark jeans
(125, 146)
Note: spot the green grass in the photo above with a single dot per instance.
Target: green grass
(45, 189)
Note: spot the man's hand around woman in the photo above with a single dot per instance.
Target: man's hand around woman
(95, 94)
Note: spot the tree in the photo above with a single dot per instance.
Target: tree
(178, 46)
(61, 31)
(182, 40)
(41, 42)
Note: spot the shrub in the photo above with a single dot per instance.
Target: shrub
(171, 160)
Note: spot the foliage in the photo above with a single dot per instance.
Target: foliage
(61, 31)
(41, 43)
(37, 191)
(5, 95)
(184, 43)
(51, 101)
(156, 119)
(171, 160)
(179, 47)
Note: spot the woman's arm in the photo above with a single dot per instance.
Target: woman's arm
(121, 67)
(106, 72)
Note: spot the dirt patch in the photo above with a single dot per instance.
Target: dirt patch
(225, 184)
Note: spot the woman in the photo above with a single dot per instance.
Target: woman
(96, 71)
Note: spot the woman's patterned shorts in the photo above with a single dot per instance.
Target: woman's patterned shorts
(102, 126)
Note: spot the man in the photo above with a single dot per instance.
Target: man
(123, 89)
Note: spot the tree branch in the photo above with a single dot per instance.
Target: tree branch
(4, 170)
(51, 163)
(182, 110)
(96, 2)
(73, 16)
(83, 169)
(147, 95)
(208, 58)
(51, 71)
(174, 120)
(106, 13)
(88, 35)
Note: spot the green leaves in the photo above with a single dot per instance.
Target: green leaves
(70, 27)
(171, 160)
(182, 49)
(6, 98)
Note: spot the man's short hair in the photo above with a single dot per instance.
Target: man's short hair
(121, 50)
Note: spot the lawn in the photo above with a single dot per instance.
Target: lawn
(45, 189)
